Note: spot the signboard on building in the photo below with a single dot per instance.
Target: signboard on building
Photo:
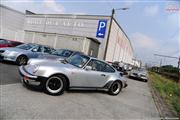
(101, 29)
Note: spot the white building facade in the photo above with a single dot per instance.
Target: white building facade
(85, 33)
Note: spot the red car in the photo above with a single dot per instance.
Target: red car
(8, 43)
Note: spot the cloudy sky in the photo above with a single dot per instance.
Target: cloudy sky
(153, 27)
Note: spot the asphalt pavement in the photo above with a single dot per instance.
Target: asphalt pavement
(18, 102)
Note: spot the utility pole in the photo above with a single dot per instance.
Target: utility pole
(110, 24)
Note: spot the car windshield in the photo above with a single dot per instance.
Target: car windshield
(2, 41)
(63, 53)
(26, 46)
(78, 60)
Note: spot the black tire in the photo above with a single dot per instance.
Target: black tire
(55, 85)
(115, 88)
(22, 60)
(145, 80)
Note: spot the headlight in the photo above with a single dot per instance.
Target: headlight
(32, 68)
(11, 53)
(35, 68)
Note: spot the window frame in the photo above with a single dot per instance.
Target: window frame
(103, 63)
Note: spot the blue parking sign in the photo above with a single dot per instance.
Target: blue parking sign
(101, 29)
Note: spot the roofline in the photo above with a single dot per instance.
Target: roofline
(68, 15)
(1, 5)
(93, 39)
(123, 32)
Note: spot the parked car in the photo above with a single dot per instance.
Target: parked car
(58, 54)
(121, 67)
(8, 43)
(140, 74)
(20, 54)
(118, 66)
(77, 71)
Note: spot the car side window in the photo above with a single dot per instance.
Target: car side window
(108, 68)
(37, 49)
(96, 65)
(100, 66)
(47, 50)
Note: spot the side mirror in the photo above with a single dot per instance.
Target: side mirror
(88, 68)
(34, 50)
(121, 73)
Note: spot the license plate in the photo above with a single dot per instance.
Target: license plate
(25, 78)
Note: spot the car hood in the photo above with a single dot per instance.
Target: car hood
(56, 64)
(49, 62)
(50, 65)
(34, 61)
(49, 56)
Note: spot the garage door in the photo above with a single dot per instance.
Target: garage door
(44, 39)
(68, 42)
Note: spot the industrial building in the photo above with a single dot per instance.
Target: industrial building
(85, 33)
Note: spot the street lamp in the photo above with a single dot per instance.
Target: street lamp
(112, 16)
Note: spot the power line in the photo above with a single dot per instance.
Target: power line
(166, 56)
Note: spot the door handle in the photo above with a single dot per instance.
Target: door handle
(103, 75)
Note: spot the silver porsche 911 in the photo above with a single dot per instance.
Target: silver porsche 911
(78, 71)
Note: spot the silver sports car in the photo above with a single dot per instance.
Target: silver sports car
(78, 71)
(20, 54)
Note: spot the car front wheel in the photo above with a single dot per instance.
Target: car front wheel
(55, 85)
(115, 88)
(22, 60)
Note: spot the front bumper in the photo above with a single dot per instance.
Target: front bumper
(138, 77)
(125, 85)
(29, 79)
(7, 57)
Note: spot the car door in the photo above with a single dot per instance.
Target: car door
(37, 51)
(47, 50)
(95, 77)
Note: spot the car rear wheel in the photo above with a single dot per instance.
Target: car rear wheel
(55, 85)
(115, 88)
(22, 60)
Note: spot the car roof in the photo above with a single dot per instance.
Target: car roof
(74, 51)
(39, 45)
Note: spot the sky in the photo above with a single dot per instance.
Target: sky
(153, 27)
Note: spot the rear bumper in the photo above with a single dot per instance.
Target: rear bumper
(31, 80)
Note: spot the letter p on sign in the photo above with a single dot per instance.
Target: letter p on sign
(101, 28)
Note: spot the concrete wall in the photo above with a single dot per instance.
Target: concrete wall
(119, 47)
(11, 24)
(80, 25)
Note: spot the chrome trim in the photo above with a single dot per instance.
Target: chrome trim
(21, 69)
